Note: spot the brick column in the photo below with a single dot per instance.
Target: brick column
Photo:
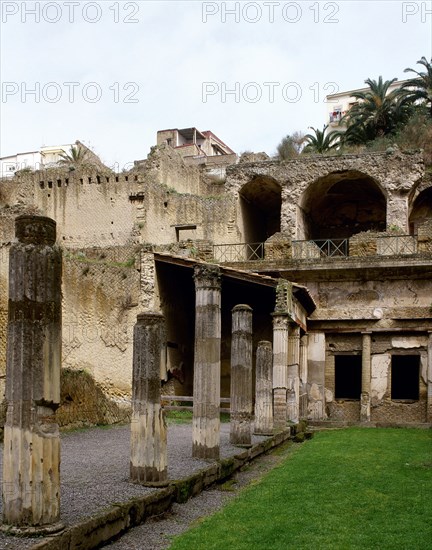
(207, 364)
(264, 389)
(31, 464)
(366, 378)
(241, 376)
(280, 366)
(148, 459)
(293, 379)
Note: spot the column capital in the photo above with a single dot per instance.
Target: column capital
(150, 318)
(207, 276)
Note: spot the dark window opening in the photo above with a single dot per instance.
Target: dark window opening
(348, 376)
(405, 374)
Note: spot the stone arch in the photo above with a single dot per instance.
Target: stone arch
(421, 210)
(260, 203)
(341, 204)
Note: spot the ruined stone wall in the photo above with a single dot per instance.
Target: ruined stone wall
(397, 174)
(90, 209)
(383, 409)
(100, 304)
(374, 300)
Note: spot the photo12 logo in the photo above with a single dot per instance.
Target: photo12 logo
(270, 12)
(54, 92)
(70, 12)
(254, 92)
(413, 11)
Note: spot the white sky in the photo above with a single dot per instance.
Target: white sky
(168, 50)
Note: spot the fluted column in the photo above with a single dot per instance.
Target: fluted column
(264, 389)
(207, 363)
(241, 376)
(148, 460)
(303, 412)
(280, 369)
(31, 463)
(293, 379)
(366, 378)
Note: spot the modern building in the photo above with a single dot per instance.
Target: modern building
(45, 157)
(339, 104)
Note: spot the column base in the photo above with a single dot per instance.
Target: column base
(30, 530)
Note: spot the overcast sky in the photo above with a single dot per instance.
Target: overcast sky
(112, 73)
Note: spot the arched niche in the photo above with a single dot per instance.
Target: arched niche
(421, 210)
(341, 204)
(260, 201)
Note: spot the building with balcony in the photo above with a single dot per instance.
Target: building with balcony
(339, 104)
(45, 157)
(197, 147)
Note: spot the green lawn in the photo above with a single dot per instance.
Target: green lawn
(354, 488)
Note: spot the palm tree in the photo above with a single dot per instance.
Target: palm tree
(76, 157)
(320, 142)
(418, 89)
(377, 111)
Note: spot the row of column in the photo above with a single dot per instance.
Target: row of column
(31, 465)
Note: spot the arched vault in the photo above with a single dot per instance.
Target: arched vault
(261, 208)
(341, 204)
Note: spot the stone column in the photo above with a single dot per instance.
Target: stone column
(366, 378)
(280, 366)
(207, 363)
(148, 459)
(293, 385)
(303, 409)
(241, 376)
(31, 463)
(429, 381)
(264, 389)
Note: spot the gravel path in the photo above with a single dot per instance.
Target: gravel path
(157, 533)
(95, 470)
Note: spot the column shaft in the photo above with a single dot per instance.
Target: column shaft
(366, 378)
(207, 363)
(303, 408)
(241, 376)
(264, 387)
(429, 381)
(280, 366)
(148, 460)
(31, 465)
(293, 385)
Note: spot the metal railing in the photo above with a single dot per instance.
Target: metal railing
(387, 245)
(321, 248)
(243, 252)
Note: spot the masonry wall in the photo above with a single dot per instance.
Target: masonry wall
(396, 175)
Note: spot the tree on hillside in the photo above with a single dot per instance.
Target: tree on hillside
(418, 90)
(320, 141)
(290, 146)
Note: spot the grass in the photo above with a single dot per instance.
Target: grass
(185, 417)
(345, 489)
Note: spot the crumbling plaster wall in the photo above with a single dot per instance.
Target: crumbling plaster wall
(383, 408)
(373, 300)
(100, 305)
(396, 174)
